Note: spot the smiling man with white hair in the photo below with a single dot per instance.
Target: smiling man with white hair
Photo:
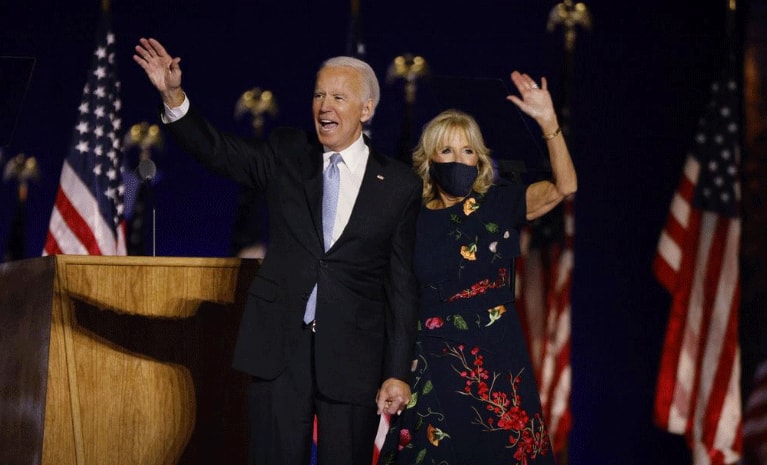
(330, 321)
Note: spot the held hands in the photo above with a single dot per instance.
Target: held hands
(536, 101)
(393, 396)
(163, 70)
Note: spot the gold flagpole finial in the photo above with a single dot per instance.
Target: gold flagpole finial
(105, 4)
(145, 136)
(23, 169)
(257, 102)
(569, 15)
(409, 68)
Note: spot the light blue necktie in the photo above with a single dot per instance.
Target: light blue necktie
(330, 185)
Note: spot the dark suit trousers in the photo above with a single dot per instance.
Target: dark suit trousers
(282, 417)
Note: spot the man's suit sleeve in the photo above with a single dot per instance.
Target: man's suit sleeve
(248, 162)
(402, 292)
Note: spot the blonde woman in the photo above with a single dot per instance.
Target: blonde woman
(474, 396)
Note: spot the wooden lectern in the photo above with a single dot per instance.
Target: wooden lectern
(122, 360)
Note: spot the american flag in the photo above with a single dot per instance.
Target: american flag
(755, 420)
(698, 389)
(543, 282)
(87, 217)
(383, 429)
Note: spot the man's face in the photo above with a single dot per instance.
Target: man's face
(338, 107)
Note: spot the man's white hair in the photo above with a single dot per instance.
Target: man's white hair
(369, 79)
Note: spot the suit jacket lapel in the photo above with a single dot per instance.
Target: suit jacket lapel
(313, 190)
(372, 190)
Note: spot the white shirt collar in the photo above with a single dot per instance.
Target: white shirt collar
(352, 155)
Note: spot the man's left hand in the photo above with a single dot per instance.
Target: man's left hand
(393, 396)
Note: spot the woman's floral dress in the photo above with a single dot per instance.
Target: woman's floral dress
(474, 395)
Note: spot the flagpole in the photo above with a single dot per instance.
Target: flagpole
(570, 16)
(753, 319)
(354, 45)
(145, 136)
(409, 68)
(249, 231)
(23, 169)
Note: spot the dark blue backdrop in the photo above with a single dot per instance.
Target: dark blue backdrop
(640, 82)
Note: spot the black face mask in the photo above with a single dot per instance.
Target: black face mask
(454, 178)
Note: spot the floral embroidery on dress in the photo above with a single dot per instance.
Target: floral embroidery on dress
(504, 409)
(434, 322)
(482, 286)
(437, 322)
(405, 438)
(495, 313)
(435, 435)
(479, 288)
(469, 251)
(426, 418)
(470, 205)
(493, 247)
(458, 321)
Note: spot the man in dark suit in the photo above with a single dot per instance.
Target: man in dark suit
(331, 317)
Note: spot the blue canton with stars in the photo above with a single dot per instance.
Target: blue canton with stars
(717, 149)
(96, 153)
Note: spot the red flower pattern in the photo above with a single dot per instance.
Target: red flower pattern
(434, 322)
(404, 438)
(482, 286)
(528, 435)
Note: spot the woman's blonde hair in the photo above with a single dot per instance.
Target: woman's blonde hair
(435, 134)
